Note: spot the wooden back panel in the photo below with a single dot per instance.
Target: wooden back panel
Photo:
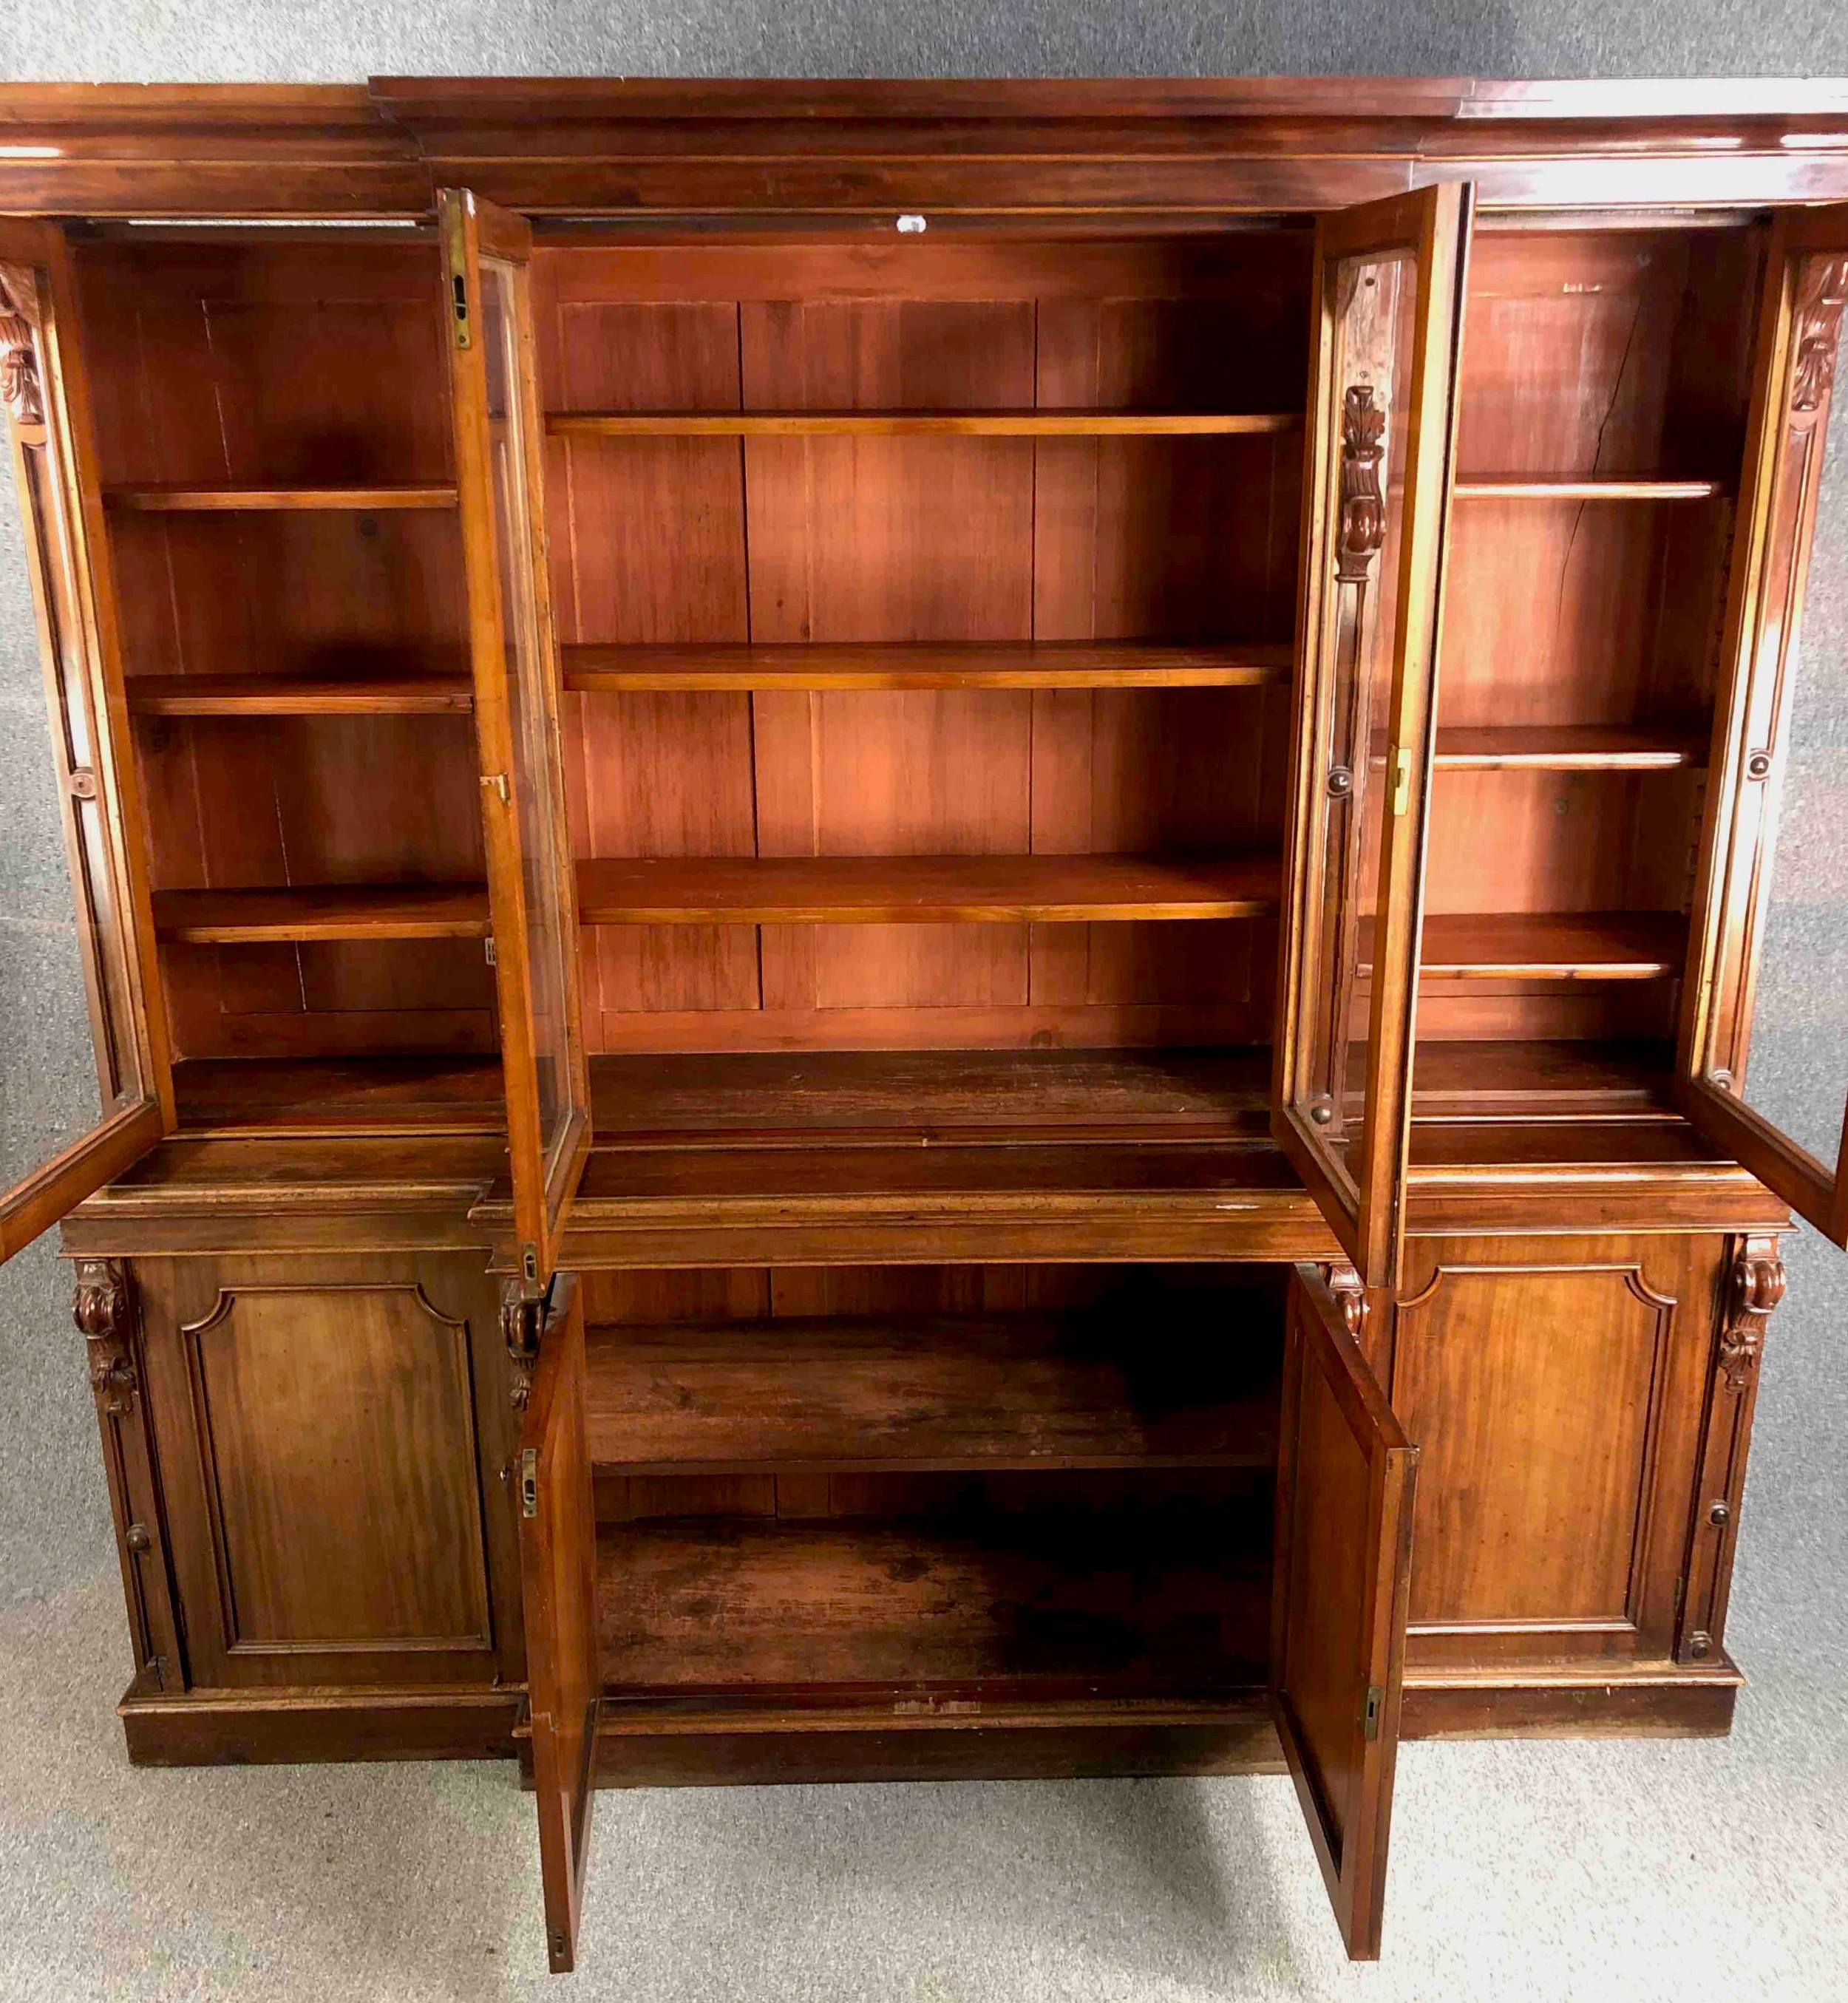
(879, 539)
(1587, 354)
(279, 363)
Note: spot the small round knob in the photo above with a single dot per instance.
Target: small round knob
(1718, 1513)
(138, 1539)
(1758, 765)
(1341, 782)
(1322, 1111)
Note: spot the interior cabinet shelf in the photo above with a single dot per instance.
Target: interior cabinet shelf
(1546, 747)
(923, 665)
(916, 424)
(1527, 486)
(1553, 946)
(213, 499)
(922, 889)
(299, 695)
(924, 1392)
(302, 913)
(1176, 1598)
(373, 1095)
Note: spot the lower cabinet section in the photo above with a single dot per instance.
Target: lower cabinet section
(327, 1446)
(1135, 1511)
(926, 1522)
(1562, 1391)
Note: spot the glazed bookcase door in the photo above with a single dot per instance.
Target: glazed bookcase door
(500, 474)
(1764, 1051)
(1387, 282)
(558, 1567)
(64, 596)
(1342, 1575)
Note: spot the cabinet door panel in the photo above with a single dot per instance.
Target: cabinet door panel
(1554, 1387)
(1344, 1525)
(89, 976)
(1764, 1052)
(500, 480)
(1388, 281)
(323, 1444)
(558, 1549)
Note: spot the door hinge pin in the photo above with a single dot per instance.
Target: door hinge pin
(529, 1481)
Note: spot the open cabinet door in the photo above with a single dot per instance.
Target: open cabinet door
(67, 597)
(1388, 281)
(532, 893)
(557, 1565)
(1338, 1621)
(1764, 1045)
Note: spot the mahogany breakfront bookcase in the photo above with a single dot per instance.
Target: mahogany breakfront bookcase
(846, 981)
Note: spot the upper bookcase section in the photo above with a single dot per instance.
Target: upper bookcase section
(1177, 153)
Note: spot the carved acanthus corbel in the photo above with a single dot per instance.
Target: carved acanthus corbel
(1362, 528)
(1819, 304)
(523, 1320)
(1756, 1286)
(100, 1305)
(19, 386)
(1350, 1297)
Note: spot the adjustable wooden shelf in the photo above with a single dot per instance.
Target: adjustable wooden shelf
(894, 1000)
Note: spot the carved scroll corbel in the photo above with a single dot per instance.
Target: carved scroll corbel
(20, 389)
(523, 1319)
(1819, 304)
(101, 1305)
(1753, 1292)
(1350, 1297)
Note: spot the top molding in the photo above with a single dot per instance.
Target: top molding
(1189, 148)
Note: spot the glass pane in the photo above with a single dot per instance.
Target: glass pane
(529, 703)
(62, 980)
(1796, 1076)
(1376, 303)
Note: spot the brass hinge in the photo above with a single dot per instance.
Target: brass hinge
(529, 1481)
(1370, 1717)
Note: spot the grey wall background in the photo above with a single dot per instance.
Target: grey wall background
(1547, 1871)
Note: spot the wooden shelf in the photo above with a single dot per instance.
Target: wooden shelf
(1522, 486)
(914, 423)
(1175, 1598)
(194, 500)
(751, 1098)
(922, 665)
(299, 695)
(1098, 1390)
(330, 911)
(922, 890)
(274, 1097)
(1541, 1078)
(1546, 747)
(1553, 946)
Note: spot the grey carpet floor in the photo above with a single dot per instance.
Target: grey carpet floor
(1643, 1870)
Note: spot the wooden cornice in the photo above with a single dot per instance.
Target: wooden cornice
(660, 148)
